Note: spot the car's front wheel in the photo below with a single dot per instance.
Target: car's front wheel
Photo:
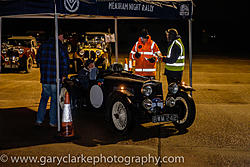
(121, 118)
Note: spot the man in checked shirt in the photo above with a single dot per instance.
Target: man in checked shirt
(46, 58)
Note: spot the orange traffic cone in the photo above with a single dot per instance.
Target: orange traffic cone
(130, 65)
(67, 130)
(133, 63)
(126, 64)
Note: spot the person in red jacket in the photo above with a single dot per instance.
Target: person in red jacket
(145, 52)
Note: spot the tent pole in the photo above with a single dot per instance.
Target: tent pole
(57, 71)
(0, 44)
(190, 52)
(116, 41)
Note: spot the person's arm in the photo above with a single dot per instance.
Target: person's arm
(93, 73)
(156, 52)
(83, 76)
(133, 52)
(175, 52)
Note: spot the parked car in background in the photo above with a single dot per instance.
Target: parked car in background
(19, 53)
(71, 40)
(95, 46)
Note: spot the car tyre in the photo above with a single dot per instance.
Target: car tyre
(3, 69)
(62, 99)
(69, 48)
(120, 115)
(185, 109)
(29, 64)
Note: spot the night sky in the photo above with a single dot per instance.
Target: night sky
(227, 19)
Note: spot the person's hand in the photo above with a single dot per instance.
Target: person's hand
(164, 58)
(63, 78)
(137, 55)
(152, 60)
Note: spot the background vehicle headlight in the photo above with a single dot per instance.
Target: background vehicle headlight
(173, 88)
(98, 46)
(147, 104)
(81, 53)
(4, 51)
(20, 51)
(98, 52)
(147, 90)
(6, 59)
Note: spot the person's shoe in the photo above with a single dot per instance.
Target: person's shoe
(38, 124)
(53, 125)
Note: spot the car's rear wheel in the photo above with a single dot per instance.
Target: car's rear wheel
(62, 99)
(69, 48)
(2, 69)
(29, 64)
(185, 109)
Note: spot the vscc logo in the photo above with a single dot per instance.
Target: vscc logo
(71, 5)
(184, 10)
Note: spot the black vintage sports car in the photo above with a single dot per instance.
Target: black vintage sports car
(127, 98)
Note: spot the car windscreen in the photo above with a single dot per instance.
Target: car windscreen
(92, 38)
(19, 42)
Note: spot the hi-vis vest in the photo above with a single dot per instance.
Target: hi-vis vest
(179, 64)
(148, 50)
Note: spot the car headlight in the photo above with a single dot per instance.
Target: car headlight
(6, 59)
(173, 88)
(147, 90)
(147, 104)
(4, 51)
(81, 53)
(98, 46)
(98, 52)
(20, 51)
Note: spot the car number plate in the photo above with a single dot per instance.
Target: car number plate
(159, 104)
(7, 66)
(164, 118)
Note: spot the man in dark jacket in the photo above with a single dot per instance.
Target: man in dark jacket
(87, 74)
(175, 58)
(46, 57)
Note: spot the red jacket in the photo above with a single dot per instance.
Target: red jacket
(148, 50)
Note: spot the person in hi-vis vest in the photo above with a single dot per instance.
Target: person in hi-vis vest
(175, 58)
(145, 52)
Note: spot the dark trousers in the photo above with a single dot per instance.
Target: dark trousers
(173, 76)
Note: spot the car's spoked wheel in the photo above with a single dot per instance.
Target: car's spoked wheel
(69, 48)
(29, 65)
(119, 116)
(181, 110)
(185, 109)
(62, 97)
